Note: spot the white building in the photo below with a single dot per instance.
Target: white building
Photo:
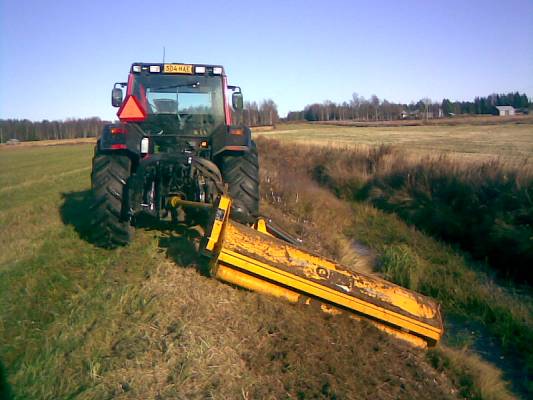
(505, 110)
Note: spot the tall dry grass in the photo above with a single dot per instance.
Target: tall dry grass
(486, 208)
(298, 177)
(477, 379)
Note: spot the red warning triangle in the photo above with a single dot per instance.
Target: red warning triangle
(131, 110)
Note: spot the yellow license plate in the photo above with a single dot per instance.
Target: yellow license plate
(177, 69)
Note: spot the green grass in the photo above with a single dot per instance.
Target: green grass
(80, 322)
(415, 261)
(59, 160)
(53, 285)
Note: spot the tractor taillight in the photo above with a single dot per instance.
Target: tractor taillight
(118, 130)
(236, 131)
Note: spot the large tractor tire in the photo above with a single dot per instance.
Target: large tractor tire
(241, 172)
(111, 227)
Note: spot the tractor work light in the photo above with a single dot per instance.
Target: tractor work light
(217, 70)
(136, 68)
(145, 145)
(199, 70)
(155, 68)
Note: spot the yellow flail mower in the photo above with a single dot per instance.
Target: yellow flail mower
(267, 261)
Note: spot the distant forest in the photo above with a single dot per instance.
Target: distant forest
(374, 109)
(23, 129)
(266, 113)
(254, 114)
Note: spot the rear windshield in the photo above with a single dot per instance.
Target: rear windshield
(190, 100)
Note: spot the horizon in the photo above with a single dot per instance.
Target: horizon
(259, 103)
(294, 53)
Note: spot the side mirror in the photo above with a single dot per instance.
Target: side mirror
(237, 101)
(116, 97)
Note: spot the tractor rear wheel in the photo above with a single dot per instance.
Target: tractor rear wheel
(241, 172)
(111, 227)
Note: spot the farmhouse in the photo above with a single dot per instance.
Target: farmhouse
(505, 110)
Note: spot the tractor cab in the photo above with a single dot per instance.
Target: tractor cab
(177, 99)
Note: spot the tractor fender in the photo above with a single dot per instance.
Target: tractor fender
(121, 136)
(233, 138)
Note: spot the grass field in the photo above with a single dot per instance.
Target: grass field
(80, 322)
(509, 141)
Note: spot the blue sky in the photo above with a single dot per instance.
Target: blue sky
(59, 59)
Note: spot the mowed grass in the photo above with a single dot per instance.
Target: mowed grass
(31, 184)
(508, 141)
(80, 322)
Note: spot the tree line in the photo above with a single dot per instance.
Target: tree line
(486, 105)
(266, 113)
(24, 129)
(374, 109)
(254, 114)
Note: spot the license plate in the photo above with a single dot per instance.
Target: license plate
(177, 69)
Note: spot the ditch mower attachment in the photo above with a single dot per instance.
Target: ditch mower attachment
(268, 261)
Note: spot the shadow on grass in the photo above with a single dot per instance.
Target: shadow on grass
(180, 241)
(5, 389)
(76, 211)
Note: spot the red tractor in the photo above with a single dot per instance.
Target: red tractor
(175, 139)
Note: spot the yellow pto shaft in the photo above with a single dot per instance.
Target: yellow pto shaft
(258, 261)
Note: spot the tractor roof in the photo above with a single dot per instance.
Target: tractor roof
(177, 68)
